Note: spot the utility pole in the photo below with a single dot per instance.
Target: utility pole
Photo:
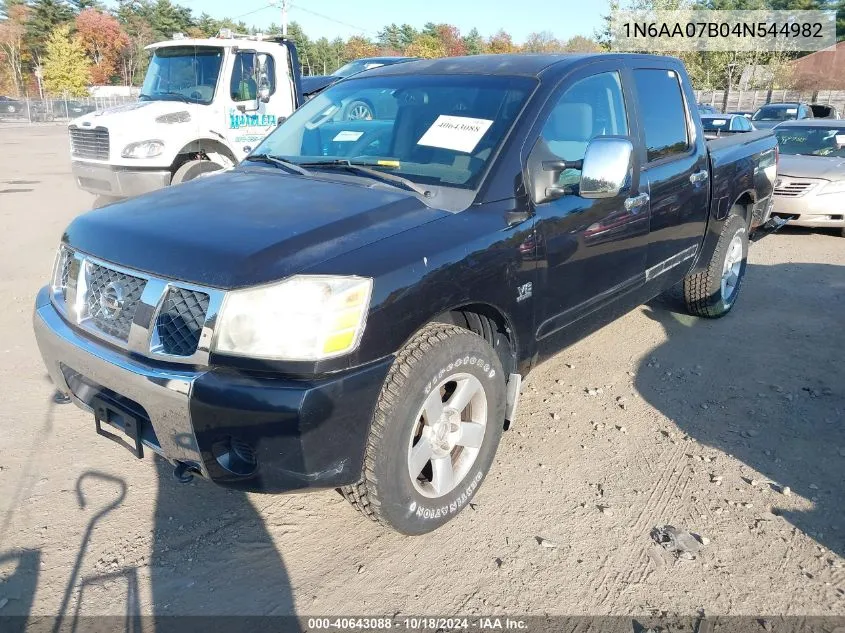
(285, 17)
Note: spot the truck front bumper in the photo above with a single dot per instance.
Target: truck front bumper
(261, 433)
(120, 182)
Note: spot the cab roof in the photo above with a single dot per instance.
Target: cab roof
(531, 65)
(207, 41)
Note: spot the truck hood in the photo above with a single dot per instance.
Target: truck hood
(314, 83)
(123, 114)
(825, 167)
(244, 227)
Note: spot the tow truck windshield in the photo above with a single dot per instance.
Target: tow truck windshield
(183, 73)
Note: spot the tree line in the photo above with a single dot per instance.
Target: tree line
(64, 46)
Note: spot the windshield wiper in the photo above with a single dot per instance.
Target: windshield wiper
(284, 163)
(366, 169)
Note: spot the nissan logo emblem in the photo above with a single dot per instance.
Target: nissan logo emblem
(112, 300)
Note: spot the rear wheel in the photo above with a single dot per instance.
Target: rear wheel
(192, 169)
(713, 292)
(435, 431)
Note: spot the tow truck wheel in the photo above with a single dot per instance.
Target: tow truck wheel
(192, 169)
(435, 430)
(713, 293)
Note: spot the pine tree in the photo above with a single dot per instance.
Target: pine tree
(65, 64)
(473, 43)
(44, 17)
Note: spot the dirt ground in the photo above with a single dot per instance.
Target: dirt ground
(657, 418)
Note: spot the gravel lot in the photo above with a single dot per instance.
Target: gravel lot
(657, 418)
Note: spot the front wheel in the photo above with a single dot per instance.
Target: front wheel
(193, 169)
(435, 430)
(713, 293)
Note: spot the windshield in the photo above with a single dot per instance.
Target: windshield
(183, 73)
(356, 67)
(776, 113)
(712, 125)
(811, 141)
(430, 129)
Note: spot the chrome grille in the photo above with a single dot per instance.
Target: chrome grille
(67, 260)
(89, 143)
(141, 313)
(107, 287)
(792, 188)
(181, 320)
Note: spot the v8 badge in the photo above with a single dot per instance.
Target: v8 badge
(524, 292)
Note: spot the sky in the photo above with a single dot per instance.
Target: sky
(343, 18)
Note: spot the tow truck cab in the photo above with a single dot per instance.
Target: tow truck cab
(204, 104)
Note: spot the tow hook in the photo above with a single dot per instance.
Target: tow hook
(772, 225)
(183, 473)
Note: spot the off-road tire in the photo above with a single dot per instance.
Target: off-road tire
(703, 291)
(386, 492)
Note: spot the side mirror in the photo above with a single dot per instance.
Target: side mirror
(607, 167)
(250, 106)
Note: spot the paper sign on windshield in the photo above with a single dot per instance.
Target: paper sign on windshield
(792, 110)
(719, 121)
(346, 136)
(840, 139)
(459, 133)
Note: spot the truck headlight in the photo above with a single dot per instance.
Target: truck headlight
(306, 317)
(837, 186)
(143, 149)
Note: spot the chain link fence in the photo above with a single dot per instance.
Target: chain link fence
(25, 110)
(750, 100)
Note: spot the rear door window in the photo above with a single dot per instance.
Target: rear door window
(662, 112)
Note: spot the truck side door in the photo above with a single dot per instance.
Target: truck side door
(590, 250)
(258, 93)
(676, 170)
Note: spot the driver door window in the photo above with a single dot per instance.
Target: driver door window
(591, 107)
(244, 85)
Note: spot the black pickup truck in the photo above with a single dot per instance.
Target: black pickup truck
(356, 304)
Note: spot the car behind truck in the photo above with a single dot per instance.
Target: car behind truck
(356, 304)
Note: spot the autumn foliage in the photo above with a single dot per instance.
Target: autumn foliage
(105, 43)
(104, 40)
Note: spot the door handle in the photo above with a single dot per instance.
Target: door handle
(633, 204)
(699, 176)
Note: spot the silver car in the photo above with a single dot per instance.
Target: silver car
(811, 187)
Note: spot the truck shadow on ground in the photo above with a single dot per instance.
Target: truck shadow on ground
(213, 555)
(766, 385)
